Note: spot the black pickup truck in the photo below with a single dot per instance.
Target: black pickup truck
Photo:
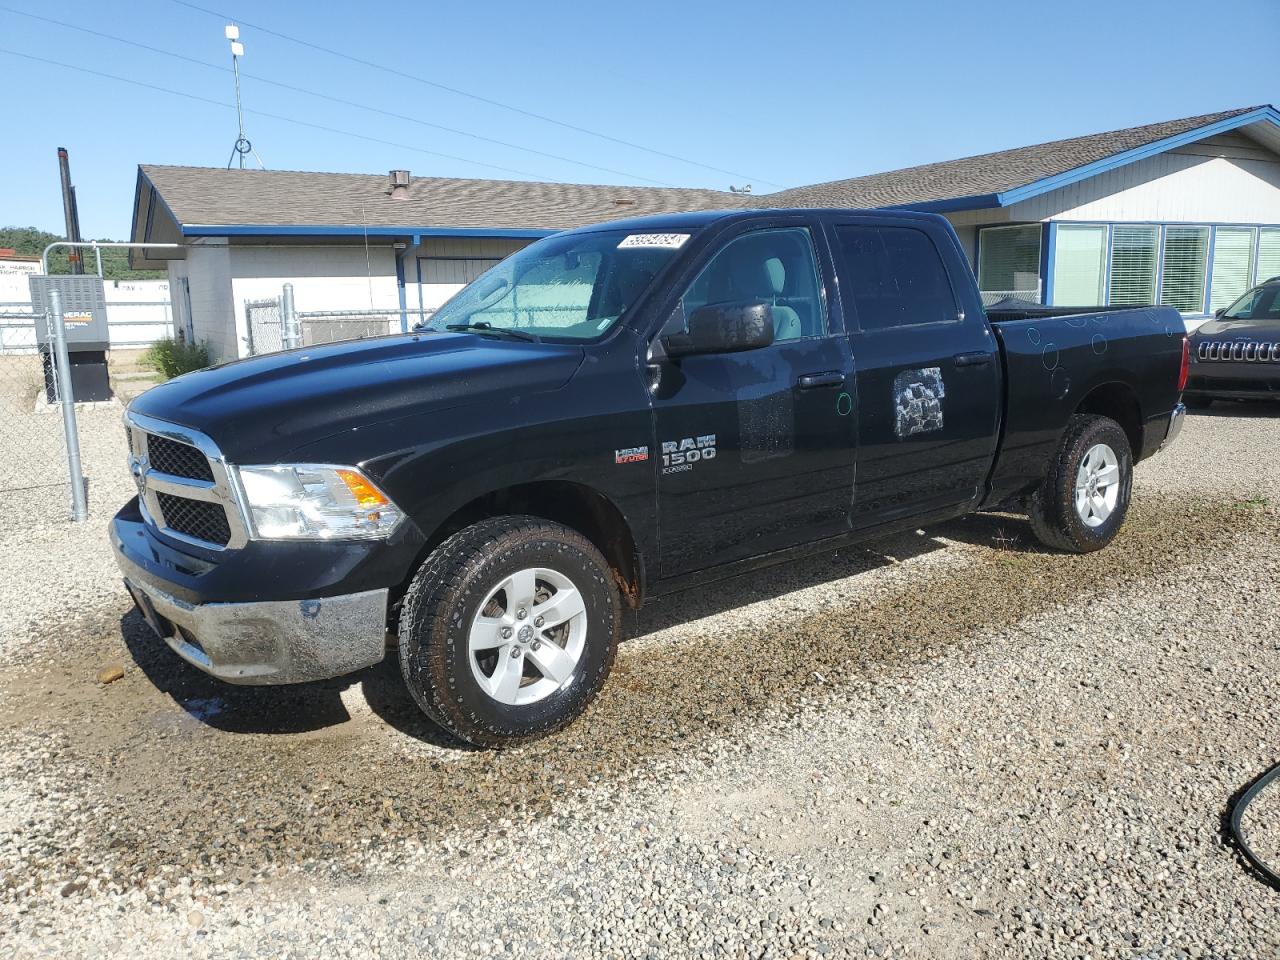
(611, 414)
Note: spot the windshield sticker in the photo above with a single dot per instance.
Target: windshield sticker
(917, 401)
(679, 456)
(631, 455)
(665, 241)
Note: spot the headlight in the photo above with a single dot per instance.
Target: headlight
(312, 501)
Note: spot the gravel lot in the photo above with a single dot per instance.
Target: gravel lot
(948, 744)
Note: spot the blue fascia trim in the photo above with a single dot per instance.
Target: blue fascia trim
(1009, 197)
(982, 201)
(347, 230)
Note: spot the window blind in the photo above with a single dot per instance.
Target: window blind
(1268, 255)
(1079, 265)
(1133, 265)
(1232, 265)
(1009, 260)
(1186, 257)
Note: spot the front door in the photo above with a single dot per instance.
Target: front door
(755, 449)
(929, 384)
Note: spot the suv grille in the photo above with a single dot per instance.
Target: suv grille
(178, 459)
(195, 518)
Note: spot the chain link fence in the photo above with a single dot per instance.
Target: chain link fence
(265, 322)
(33, 448)
(273, 324)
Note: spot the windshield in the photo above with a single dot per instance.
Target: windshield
(1260, 303)
(568, 287)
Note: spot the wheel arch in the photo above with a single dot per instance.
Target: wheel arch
(576, 505)
(1119, 401)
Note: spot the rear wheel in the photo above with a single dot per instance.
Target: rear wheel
(508, 630)
(1083, 499)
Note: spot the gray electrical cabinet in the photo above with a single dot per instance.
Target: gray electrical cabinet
(84, 315)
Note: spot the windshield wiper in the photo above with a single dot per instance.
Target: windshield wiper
(484, 326)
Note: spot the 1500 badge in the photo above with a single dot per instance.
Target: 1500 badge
(679, 456)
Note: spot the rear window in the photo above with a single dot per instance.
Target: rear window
(895, 277)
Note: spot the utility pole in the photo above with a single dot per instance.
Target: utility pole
(242, 146)
(70, 211)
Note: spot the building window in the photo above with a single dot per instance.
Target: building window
(1134, 252)
(1186, 257)
(1009, 262)
(1268, 254)
(1080, 265)
(1232, 265)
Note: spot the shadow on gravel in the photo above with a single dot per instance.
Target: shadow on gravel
(291, 709)
(307, 707)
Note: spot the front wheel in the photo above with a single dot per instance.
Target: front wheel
(508, 630)
(1082, 501)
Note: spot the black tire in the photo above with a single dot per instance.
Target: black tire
(445, 596)
(1051, 507)
(1198, 403)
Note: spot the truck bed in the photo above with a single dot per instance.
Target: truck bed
(1057, 359)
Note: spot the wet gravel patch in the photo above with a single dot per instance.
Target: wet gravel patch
(949, 744)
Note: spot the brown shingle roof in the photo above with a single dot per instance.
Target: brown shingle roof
(210, 196)
(988, 172)
(215, 197)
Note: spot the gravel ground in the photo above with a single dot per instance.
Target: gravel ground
(948, 744)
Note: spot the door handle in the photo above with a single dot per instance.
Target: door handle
(829, 378)
(976, 359)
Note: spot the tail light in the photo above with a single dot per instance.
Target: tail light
(1185, 370)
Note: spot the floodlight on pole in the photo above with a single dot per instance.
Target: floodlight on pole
(242, 146)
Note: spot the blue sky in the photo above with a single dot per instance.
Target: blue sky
(769, 93)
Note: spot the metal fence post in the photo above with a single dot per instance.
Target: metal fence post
(66, 397)
(288, 318)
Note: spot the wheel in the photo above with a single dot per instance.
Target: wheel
(508, 630)
(1082, 501)
(1198, 403)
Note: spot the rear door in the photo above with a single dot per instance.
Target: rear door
(928, 376)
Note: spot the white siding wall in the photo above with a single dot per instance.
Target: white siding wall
(208, 274)
(1175, 187)
(323, 277)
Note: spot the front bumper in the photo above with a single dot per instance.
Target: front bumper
(271, 642)
(257, 641)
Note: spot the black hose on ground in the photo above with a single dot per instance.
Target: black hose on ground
(1236, 829)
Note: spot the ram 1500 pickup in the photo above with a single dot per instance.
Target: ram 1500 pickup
(611, 414)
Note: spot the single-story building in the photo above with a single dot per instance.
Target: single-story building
(1185, 212)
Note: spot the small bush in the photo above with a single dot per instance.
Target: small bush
(171, 358)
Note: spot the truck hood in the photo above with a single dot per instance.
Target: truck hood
(259, 409)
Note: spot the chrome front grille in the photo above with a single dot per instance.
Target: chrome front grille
(1239, 351)
(184, 485)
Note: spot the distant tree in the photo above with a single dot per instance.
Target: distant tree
(115, 260)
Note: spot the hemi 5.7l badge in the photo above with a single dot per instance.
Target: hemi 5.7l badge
(631, 455)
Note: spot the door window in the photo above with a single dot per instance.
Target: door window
(895, 277)
(777, 267)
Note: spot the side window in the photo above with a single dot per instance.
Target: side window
(895, 277)
(777, 267)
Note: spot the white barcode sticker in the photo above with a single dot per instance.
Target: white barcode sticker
(667, 241)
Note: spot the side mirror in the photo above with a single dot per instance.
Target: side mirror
(723, 328)
(1217, 314)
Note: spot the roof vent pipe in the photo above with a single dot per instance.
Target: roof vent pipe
(400, 183)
